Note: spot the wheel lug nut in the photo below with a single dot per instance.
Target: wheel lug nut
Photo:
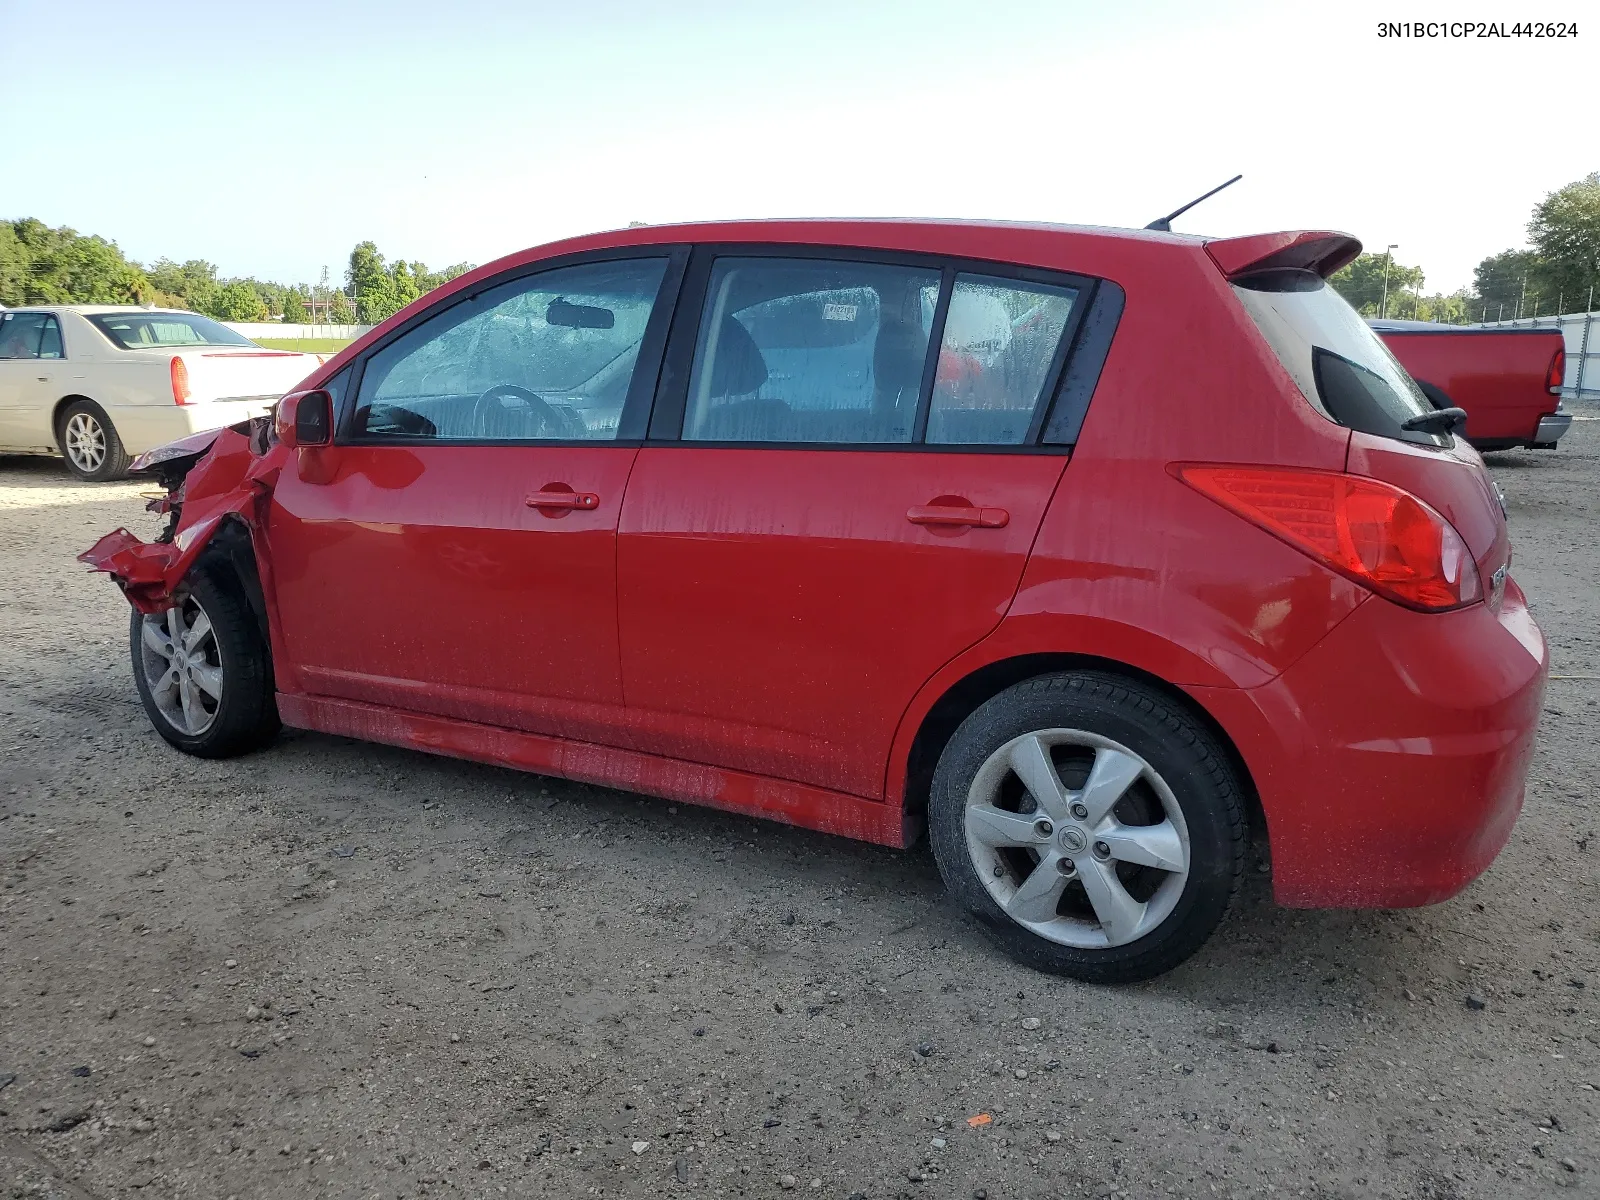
(1043, 828)
(1066, 866)
(1080, 811)
(1102, 851)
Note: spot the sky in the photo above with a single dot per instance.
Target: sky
(269, 139)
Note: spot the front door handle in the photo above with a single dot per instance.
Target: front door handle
(546, 498)
(955, 514)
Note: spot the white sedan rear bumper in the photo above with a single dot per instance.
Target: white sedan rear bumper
(145, 426)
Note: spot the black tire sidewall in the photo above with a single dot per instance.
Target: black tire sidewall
(115, 463)
(247, 716)
(1180, 750)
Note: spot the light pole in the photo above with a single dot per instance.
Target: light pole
(1383, 305)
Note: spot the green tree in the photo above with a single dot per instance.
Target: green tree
(1458, 308)
(428, 280)
(39, 264)
(339, 310)
(61, 266)
(404, 282)
(13, 267)
(1361, 283)
(191, 285)
(371, 284)
(238, 300)
(1502, 282)
(1565, 232)
(294, 306)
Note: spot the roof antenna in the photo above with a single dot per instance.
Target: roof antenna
(1164, 224)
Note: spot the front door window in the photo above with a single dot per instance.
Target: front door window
(548, 357)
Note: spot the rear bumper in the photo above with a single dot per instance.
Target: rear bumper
(1550, 429)
(145, 426)
(1391, 760)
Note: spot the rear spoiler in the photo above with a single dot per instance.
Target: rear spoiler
(1308, 250)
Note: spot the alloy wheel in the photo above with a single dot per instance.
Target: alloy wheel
(1077, 838)
(182, 666)
(85, 442)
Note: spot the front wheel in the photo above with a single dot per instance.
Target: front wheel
(89, 443)
(203, 671)
(1095, 828)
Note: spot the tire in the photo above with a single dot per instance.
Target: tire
(1156, 844)
(89, 443)
(219, 701)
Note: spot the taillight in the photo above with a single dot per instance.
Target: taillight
(1371, 532)
(180, 381)
(1556, 375)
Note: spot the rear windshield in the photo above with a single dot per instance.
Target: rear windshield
(1343, 368)
(135, 331)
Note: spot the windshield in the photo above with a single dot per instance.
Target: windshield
(1341, 366)
(139, 330)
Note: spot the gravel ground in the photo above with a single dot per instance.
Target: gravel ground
(342, 970)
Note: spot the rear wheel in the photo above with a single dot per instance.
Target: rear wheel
(1095, 828)
(203, 673)
(89, 443)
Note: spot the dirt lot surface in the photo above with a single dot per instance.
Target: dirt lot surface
(340, 970)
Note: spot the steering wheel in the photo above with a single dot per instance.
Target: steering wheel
(552, 422)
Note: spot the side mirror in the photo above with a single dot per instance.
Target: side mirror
(305, 419)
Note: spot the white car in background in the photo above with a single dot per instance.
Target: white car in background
(99, 384)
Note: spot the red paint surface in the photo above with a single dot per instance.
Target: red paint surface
(766, 630)
(1321, 251)
(1499, 378)
(694, 783)
(1391, 759)
(778, 608)
(420, 577)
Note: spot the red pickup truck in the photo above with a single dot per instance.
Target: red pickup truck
(1507, 380)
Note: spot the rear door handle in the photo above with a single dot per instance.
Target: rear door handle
(950, 514)
(585, 501)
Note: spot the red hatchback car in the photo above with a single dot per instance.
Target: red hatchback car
(1084, 548)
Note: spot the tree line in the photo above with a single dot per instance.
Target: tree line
(1560, 272)
(42, 265)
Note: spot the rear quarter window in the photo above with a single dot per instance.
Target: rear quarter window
(1343, 369)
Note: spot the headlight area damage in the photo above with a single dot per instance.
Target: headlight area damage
(209, 478)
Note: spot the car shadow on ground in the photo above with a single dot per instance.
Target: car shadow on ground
(1513, 460)
(1264, 956)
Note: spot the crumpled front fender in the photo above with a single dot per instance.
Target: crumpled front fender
(140, 568)
(149, 572)
(230, 480)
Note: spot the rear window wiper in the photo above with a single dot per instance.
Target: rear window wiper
(1440, 420)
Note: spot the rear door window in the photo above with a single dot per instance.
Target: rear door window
(50, 339)
(20, 334)
(806, 350)
(1001, 338)
(815, 351)
(1340, 365)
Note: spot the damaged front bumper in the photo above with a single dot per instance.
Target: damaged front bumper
(210, 478)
